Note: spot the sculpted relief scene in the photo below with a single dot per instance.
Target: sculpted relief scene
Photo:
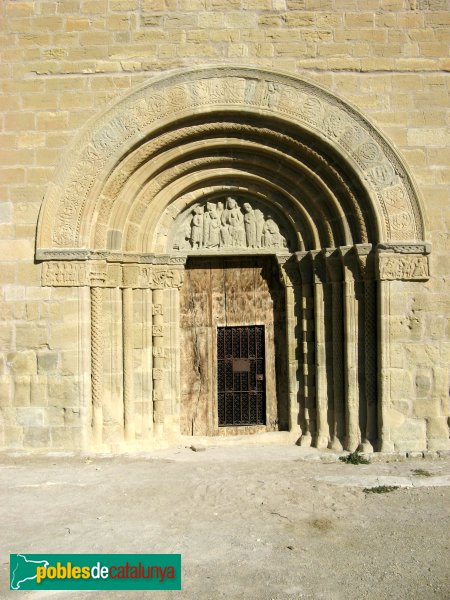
(229, 224)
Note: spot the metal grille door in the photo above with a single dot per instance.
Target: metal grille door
(241, 385)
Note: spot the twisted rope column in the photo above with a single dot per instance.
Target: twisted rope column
(97, 349)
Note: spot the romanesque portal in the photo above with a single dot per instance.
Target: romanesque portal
(231, 199)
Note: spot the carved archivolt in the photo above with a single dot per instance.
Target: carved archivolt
(70, 204)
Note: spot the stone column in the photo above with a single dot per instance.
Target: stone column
(158, 361)
(322, 437)
(97, 347)
(369, 428)
(291, 280)
(147, 422)
(334, 272)
(128, 370)
(351, 380)
(307, 344)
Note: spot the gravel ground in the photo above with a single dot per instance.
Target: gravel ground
(251, 522)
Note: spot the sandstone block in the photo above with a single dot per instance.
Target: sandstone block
(72, 417)
(38, 395)
(22, 363)
(22, 390)
(5, 391)
(47, 361)
(423, 382)
(16, 249)
(427, 407)
(437, 427)
(36, 437)
(54, 416)
(62, 391)
(30, 416)
(13, 436)
(31, 336)
(6, 336)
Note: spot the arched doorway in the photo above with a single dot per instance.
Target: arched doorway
(342, 210)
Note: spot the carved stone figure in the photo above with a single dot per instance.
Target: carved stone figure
(250, 225)
(212, 232)
(272, 237)
(233, 220)
(197, 227)
(214, 225)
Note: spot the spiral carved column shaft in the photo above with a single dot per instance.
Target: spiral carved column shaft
(97, 349)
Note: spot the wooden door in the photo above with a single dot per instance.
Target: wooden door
(230, 292)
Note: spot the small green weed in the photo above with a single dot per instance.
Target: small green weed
(422, 473)
(354, 458)
(381, 489)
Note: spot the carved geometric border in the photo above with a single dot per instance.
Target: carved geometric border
(107, 138)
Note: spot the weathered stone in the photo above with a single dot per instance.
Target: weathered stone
(38, 396)
(437, 427)
(427, 407)
(30, 416)
(5, 391)
(36, 437)
(62, 391)
(47, 361)
(423, 382)
(22, 363)
(22, 390)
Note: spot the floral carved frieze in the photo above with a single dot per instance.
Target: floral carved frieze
(229, 224)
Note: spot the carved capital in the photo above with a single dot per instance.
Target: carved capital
(288, 270)
(102, 274)
(158, 278)
(365, 260)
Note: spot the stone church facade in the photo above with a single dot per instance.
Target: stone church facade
(223, 218)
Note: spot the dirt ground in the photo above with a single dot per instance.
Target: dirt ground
(251, 522)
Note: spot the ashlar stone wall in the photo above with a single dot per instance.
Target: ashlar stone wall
(63, 62)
